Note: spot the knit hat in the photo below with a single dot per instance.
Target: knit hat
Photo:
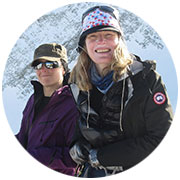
(99, 18)
(50, 52)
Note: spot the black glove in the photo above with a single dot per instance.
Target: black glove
(79, 153)
(94, 162)
(98, 137)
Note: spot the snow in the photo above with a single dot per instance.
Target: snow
(164, 16)
(63, 26)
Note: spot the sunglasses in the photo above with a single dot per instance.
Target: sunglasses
(107, 9)
(47, 64)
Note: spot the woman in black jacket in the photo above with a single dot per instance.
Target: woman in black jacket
(124, 107)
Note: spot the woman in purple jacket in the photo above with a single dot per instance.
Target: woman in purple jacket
(50, 114)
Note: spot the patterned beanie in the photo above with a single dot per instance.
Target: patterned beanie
(99, 18)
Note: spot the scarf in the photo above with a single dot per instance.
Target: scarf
(102, 83)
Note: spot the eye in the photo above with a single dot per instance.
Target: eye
(109, 36)
(38, 66)
(92, 37)
(49, 65)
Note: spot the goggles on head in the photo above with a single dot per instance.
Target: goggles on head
(113, 12)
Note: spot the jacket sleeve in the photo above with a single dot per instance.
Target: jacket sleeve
(57, 156)
(157, 113)
(25, 123)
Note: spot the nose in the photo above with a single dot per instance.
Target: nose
(101, 39)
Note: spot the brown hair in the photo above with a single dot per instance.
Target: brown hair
(80, 72)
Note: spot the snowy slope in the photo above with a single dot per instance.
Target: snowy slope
(63, 26)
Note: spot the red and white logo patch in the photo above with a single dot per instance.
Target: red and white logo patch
(159, 98)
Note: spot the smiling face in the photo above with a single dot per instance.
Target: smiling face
(100, 47)
(50, 77)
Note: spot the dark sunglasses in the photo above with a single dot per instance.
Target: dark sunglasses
(107, 9)
(47, 64)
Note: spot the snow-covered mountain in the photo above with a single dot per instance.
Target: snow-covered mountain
(63, 26)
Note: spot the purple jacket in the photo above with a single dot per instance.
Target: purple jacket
(49, 136)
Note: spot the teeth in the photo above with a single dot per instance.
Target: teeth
(102, 50)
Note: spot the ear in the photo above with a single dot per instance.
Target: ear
(119, 36)
(63, 71)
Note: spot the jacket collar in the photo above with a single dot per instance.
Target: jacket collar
(144, 66)
(38, 88)
(38, 91)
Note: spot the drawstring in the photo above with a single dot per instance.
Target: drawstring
(122, 97)
(114, 169)
(88, 109)
(121, 110)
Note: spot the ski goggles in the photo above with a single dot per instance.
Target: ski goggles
(113, 12)
(47, 64)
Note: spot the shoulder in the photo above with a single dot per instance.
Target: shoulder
(29, 104)
(31, 99)
(143, 73)
(63, 96)
(65, 90)
(142, 65)
(147, 68)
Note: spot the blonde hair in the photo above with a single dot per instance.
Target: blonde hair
(80, 73)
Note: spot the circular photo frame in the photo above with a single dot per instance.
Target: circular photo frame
(63, 26)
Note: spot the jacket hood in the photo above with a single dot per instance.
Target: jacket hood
(139, 65)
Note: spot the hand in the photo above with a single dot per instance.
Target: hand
(93, 158)
(79, 153)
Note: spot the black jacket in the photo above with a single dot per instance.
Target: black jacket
(125, 135)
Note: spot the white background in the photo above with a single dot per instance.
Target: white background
(16, 16)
